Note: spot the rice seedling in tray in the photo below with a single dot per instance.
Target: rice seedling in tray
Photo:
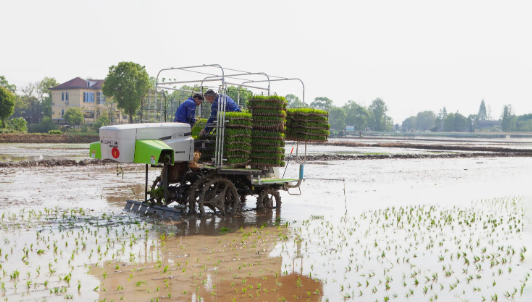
(267, 142)
(244, 139)
(305, 138)
(272, 101)
(269, 120)
(307, 112)
(236, 132)
(269, 127)
(311, 132)
(267, 135)
(238, 120)
(237, 138)
(241, 147)
(269, 112)
(309, 125)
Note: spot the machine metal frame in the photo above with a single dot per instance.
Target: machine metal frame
(239, 79)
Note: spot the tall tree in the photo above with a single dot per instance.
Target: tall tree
(507, 118)
(7, 104)
(293, 101)
(240, 96)
(337, 118)
(409, 124)
(74, 116)
(425, 120)
(388, 123)
(5, 83)
(356, 115)
(20, 106)
(46, 95)
(127, 83)
(460, 122)
(378, 109)
(455, 122)
(31, 98)
(482, 113)
(322, 103)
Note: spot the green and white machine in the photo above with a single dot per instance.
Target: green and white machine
(150, 143)
(183, 181)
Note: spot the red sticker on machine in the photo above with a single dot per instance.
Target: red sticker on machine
(115, 152)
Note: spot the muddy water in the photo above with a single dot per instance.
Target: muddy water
(511, 143)
(331, 242)
(324, 149)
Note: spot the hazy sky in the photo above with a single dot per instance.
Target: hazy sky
(415, 55)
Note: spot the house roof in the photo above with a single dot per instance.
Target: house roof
(79, 83)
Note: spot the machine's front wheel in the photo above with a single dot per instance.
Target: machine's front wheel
(194, 194)
(268, 197)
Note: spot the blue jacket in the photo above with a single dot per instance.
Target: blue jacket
(230, 106)
(186, 113)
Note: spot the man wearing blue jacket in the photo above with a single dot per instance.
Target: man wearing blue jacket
(212, 97)
(186, 113)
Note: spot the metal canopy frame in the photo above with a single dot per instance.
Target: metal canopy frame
(238, 78)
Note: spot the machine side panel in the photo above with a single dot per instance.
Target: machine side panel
(95, 150)
(149, 151)
(183, 148)
(118, 145)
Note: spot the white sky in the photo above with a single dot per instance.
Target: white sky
(415, 55)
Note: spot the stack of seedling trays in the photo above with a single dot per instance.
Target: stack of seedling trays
(307, 125)
(237, 138)
(269, 119)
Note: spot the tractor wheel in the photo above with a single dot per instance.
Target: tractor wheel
(194, 193)
(267, 198)
(219, 193)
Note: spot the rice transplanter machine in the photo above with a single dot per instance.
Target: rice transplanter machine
(192, 185)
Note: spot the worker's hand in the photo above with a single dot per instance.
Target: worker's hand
(202, 133)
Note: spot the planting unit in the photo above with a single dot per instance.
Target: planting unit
(218, 171)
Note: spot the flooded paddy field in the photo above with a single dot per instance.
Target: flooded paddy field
(396, 230)
(507, 143)
(25, 152)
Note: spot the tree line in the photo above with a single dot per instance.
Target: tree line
(456, 122)
(372, 117)
(34, 105)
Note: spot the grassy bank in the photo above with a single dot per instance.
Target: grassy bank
(40, 138)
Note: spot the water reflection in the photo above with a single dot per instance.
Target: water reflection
(210, 258)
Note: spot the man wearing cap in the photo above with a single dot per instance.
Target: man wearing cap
(212, 98)
(186, 113)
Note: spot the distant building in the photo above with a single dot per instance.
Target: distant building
(88, 96)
